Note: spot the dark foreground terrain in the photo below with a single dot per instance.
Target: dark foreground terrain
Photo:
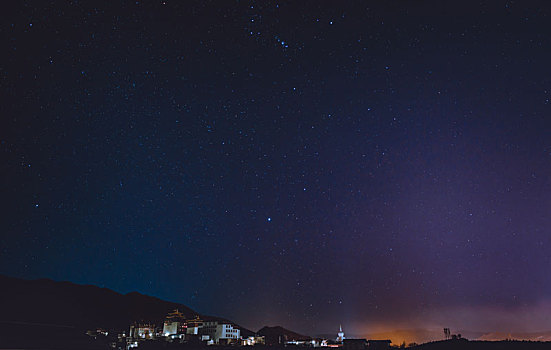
(47, 337)
(21, 335)
(44, 314)
(463, 344)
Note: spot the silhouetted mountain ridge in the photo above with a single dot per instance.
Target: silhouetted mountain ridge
(44, 301)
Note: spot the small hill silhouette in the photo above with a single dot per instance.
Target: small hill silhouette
(277, 335)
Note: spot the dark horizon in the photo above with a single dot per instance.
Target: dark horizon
(16, 309)
(379, 166)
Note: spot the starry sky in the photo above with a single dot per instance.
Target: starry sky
(301, 163)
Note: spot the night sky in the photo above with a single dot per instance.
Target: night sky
(301, 163)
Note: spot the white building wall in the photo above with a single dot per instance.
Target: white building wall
(170, 328)
(226, 331)
(193, 330)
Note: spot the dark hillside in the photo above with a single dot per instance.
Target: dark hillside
(81, 306)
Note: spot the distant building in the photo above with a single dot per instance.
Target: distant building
(207, 330)
(354, 344)
(194, 325)
(219, 333)
(142, 331)
(363, 344)
(332, 343)
(171, 327)
(174, 324)
(302, 342)
(340, 335)
(378, 344)
(226, 333)
(253, 340)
